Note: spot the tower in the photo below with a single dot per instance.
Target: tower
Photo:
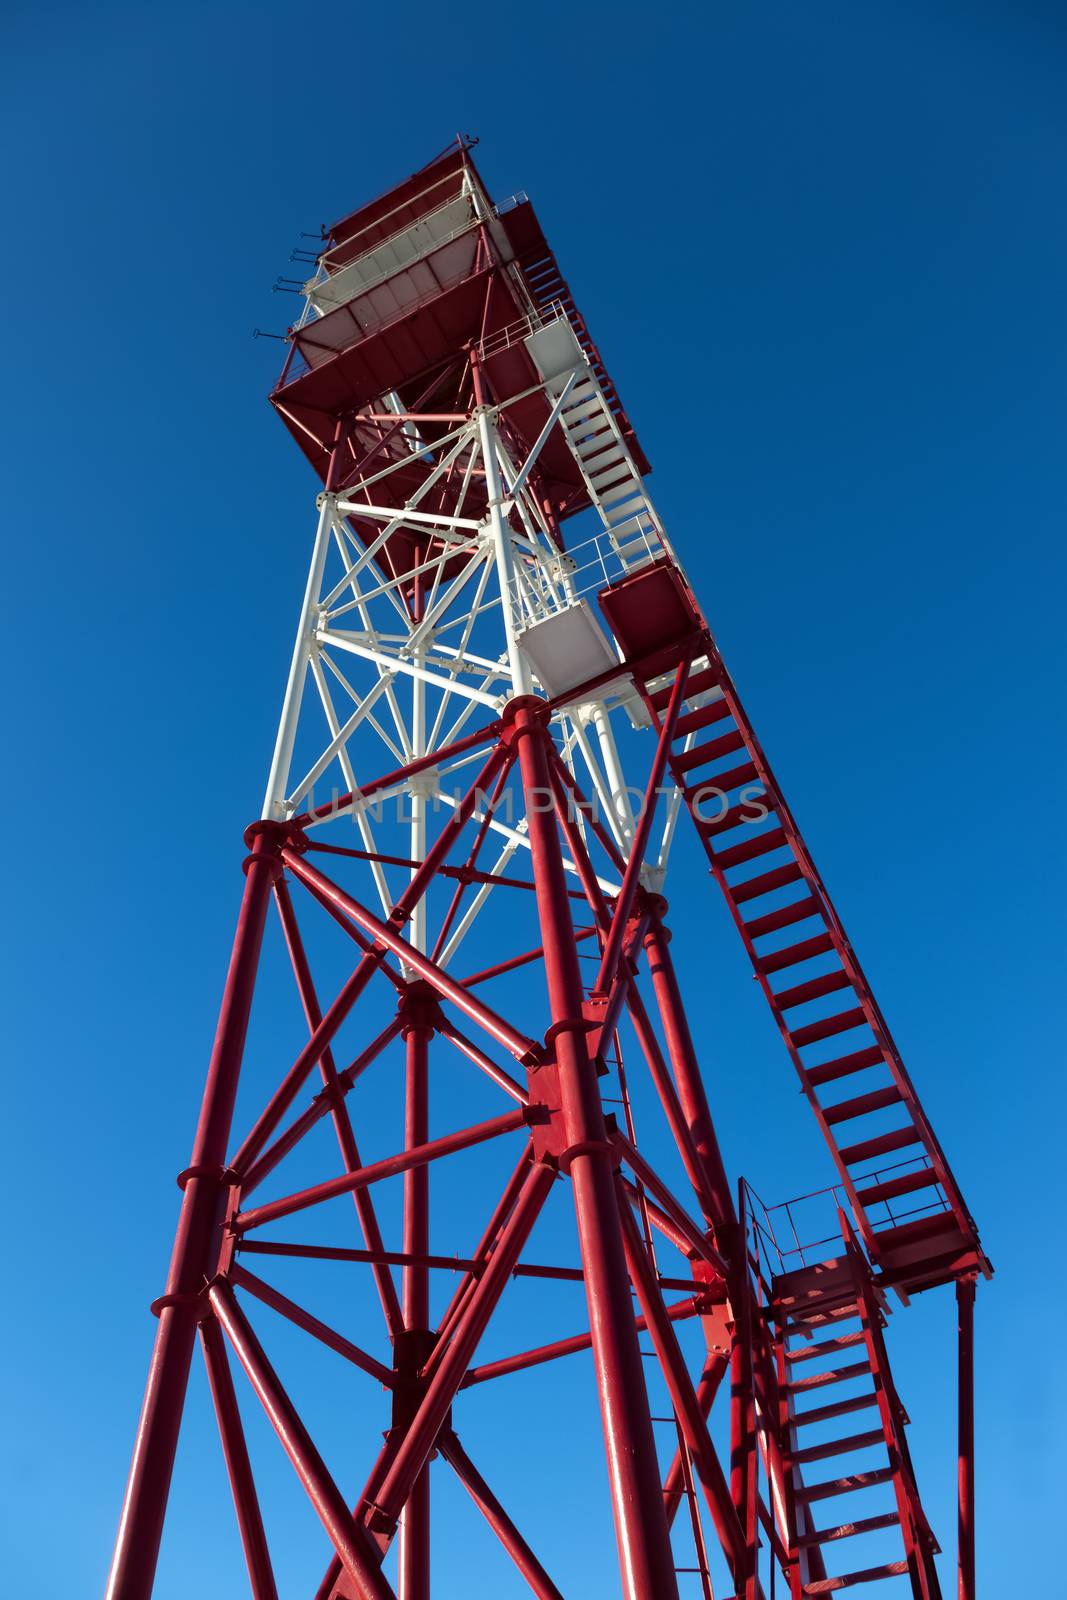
(503, 705)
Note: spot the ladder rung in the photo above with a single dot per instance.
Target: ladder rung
(777, 878)
(892, 1569)
(737, 816)
(827, 1347)
(623, 501)
(795, 953)
(814, 1031)
(880, 1146)
(784, 917)
(686, 760)
(585, 411)
(608, 478)
(702, 717)
(592, 439)
(819, 1380)
(630, 514)
(723, 782)
(761, 845)
(906, 1184)
(840, 1408)
(870, 1056)
(815, 1318)
(847, 1530)
(705, 678)
(813, 989)
(636, 550)
(847, 1485)
(839, 1447)
(845, 1110)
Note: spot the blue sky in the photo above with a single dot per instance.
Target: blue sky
(823, 252)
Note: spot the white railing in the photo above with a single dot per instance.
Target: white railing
(516, 332)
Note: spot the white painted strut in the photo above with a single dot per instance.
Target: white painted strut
(505, 560)
(274, 801)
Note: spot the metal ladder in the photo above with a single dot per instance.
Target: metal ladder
(611, 478)
(840, 1300)
(802, 957)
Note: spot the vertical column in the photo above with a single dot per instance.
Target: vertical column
(195, 1245)
(647, 1565)
(965, 1305)
(413, 1572)
(419, 785)
(278, 782)
(505, 563)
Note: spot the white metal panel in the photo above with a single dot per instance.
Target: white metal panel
(554, 349)
(568, 649)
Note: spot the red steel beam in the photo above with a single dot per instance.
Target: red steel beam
(676, 1212)
(631, 879)
(501, 1212)
(467, 873)
(484, 1063)
(403, 1161)
(587, 877)
(238, 1466)
(320, 1107)
(679, 1312)
(353, 1547)
(522, 960)
(646, 1562)
(464, 1264)
(965, 1555)
(302, 1067)
(668, 1097)
(683, 1058)
(497, 1518)
(683, 1395)
(413, 1556)
(141, 1525)
(386, 936)
(523, 1049)
(421, 1435)
(706, 1390)
(346, 1139)
(409, 770)
(567, 778)
(303, 1319)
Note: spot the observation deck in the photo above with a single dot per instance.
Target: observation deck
(408, 292)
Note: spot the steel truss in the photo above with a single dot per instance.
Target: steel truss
(435, 786)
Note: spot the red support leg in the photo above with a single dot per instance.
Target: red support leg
(683, 1395)
(238, 1466)
(965, 1304)
(647, 1565)
(195, 1247)
(413, 1571)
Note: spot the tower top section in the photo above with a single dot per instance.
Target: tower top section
(413, 291)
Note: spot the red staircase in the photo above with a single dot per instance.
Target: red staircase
(814, 984)
(834, 1310)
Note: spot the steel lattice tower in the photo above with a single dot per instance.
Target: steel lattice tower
(492, 732)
